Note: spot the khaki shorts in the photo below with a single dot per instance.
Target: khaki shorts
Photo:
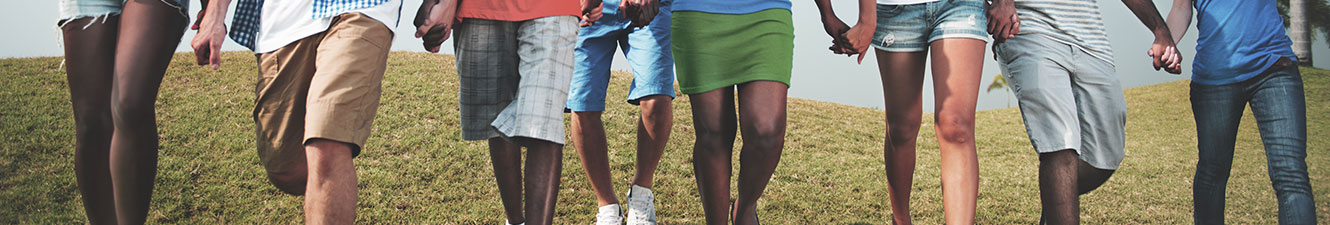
(325, 86)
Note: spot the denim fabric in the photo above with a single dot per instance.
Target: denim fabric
(909, 28)
(74, 9)
(647, 50)
(1278, 104)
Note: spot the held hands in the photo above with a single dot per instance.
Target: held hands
(434, 22)
(849, 40)
(639, 12)
(591, 12)
(1166, 55)
(207, 43)
(1003, 23)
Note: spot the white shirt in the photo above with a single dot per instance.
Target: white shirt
(287, 21)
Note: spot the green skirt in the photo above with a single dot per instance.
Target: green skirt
(713, 51)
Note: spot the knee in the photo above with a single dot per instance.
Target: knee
(953, 128)
(656, 107)
(130, 110)
(289, 182)
(764, 134)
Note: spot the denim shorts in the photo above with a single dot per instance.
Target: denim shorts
(74, 9)
(647, 50)
(909, 28)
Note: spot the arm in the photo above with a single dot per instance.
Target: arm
(207, 43)
(1164, 50)
(434, 21)
(834, 27)
(1003, 22)
(640, 12)
(1179, 18)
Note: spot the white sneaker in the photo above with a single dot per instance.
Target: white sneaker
(505, 222)
(609, 215)
(641, 206)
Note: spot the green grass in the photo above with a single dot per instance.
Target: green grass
(416, 169)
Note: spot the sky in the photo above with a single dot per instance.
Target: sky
(818, 74)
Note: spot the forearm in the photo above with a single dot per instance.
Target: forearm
(867, 12)
(824, 8)
(1179, 19)
(1145, 11)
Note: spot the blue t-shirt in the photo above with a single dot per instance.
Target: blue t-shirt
(730, 6)
(1238, 40)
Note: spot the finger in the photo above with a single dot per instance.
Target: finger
(861, 58)
(992, 26)
(423, 29)
(200, 54)
(215, 55)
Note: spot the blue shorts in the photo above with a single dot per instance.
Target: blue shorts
(74, 9)
(909, 28)
(647, 50)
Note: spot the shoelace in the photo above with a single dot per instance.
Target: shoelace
(642, 205)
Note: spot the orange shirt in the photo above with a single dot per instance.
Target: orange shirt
(517, 10)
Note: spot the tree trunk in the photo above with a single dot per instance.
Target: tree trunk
(1299, 32)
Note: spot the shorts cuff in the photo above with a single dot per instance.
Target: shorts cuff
(638, 94)
(980, 37)
(585, 107)
(331, 136)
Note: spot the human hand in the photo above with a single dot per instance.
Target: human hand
(639, 12)
(1003, 22)
(859, 37)
(434, 22)
(199, 19)
(836, 29)
(211, 34)
(1165, 55)
(591, 12)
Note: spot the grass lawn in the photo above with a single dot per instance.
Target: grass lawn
(416, 169)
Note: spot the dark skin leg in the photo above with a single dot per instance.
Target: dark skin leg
(762, 121)
(93, 51)
(902, 88)
(653, 132)
(149, 32)
(589, 140)
(1058, 185)
(543, 168)
(715, 124)
(506, 159)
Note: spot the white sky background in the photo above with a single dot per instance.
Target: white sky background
(818, 74)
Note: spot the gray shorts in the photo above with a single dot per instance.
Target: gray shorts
(514, 76)
(1068, 98)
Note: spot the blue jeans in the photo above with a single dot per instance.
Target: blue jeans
(1277, 102)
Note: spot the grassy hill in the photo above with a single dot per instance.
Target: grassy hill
(416, 169)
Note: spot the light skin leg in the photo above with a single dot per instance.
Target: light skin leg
(149, 32)
(330, 193)
(653, 133)
(589, 140)
(957, 64)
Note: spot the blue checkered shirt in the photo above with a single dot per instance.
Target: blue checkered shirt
(245, 25)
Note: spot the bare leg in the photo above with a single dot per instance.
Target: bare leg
(589, 140)
(762, 120)
(1057, 187)
(653, 133)
(957, 64)
(714, 122)
(1090, 178)
(544, 165)
(330, 196)
(93, 51)
(149, 32)
(506, 159)
(902, 83)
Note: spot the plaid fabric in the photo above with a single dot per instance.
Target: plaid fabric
(330, 8)
(245, 25)
(515, 76)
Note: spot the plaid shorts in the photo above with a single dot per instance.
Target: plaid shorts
(514, 76)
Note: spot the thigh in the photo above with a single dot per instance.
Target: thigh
(344, 92)
(149, 33)
(1036, 69)
(762, 108)
(1217, 110)
(648, 53)
(486, 65)
(279, 111)
(593, 56)
(545, 47)
(902, 76)
(1103, 112)
(957, 67)
(901, 28)
(1279, 106)
(713, 113)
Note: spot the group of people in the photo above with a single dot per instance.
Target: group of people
(524, 63)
